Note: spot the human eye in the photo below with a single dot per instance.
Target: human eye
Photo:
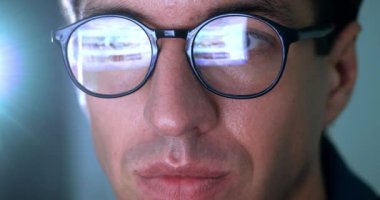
(259, 41)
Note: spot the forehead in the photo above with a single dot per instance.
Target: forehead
(187, 13)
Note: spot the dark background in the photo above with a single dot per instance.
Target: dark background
(34, 96)
(45, 144)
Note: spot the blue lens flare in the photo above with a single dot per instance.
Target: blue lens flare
(10, 72)
(10, 78)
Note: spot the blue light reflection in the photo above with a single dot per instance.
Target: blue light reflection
(10, 72)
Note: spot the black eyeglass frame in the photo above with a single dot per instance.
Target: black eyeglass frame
(286, 35)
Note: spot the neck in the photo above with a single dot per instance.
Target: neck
(311, 186)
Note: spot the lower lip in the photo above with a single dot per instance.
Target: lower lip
(181, 187)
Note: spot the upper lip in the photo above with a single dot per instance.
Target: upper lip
(191, 181)
(187, 171)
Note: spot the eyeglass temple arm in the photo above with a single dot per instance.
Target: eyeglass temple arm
(315, 32)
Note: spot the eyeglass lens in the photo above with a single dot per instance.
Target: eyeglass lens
(109, 55)
(235, 55)
(238, 55)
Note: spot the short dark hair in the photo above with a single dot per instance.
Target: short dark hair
(337, 12)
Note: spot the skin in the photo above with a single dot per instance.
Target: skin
(268, 146)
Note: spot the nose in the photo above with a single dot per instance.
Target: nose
(177, 104)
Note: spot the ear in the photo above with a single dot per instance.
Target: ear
(342, 71)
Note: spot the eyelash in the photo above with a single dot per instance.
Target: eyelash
(258, 37)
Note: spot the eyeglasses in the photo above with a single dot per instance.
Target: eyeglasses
(234, 55)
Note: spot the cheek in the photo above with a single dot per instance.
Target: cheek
(275, 137)
(109, 123)
(306, 78)
(281, 129)
(115, 127)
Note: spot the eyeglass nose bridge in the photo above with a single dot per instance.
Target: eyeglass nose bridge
(185, 34)
(171, 33)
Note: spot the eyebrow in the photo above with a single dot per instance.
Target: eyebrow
(273, 9)
(91, 9)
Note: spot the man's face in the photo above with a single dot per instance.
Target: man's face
(172, 139)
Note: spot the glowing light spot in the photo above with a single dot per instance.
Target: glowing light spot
(3, 71)
(9, 68)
